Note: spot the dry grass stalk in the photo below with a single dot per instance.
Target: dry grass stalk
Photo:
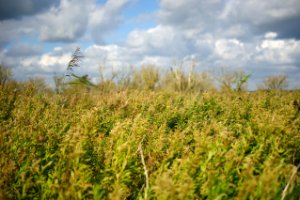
(285, 191)
(145, 168)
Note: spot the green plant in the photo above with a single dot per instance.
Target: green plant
(232, 80)
(242, 81)
(76, 79)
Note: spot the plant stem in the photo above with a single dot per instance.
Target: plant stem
(284, 193)
(145, 168)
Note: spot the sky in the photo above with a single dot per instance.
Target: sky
(38, 37)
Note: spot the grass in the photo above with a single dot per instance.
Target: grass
(149, 145)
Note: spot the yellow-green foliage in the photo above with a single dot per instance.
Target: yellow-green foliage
(85, 145)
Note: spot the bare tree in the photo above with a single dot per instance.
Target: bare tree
(5, 74)
(275, 82)
(191, 80)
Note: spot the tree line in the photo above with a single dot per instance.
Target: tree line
(148, 77)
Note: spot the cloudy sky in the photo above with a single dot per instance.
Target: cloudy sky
(37, 37)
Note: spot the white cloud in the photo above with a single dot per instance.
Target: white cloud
(279, 52)
(229, 48)
(158, 41)
(52, 63)
(271, 35)
(12, 30)
(23, 50)
(153, 38)
(160, 61)
(259, 12)
(108, 55)
(234, 17)
(68, 22)
(103, 19)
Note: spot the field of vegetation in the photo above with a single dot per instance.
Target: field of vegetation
(137, 139)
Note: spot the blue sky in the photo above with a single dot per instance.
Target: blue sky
(37, 37)
(137, 16)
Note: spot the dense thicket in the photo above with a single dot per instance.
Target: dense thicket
(91, 143)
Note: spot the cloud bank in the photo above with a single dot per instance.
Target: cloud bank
(259, 37)
(15, 9)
